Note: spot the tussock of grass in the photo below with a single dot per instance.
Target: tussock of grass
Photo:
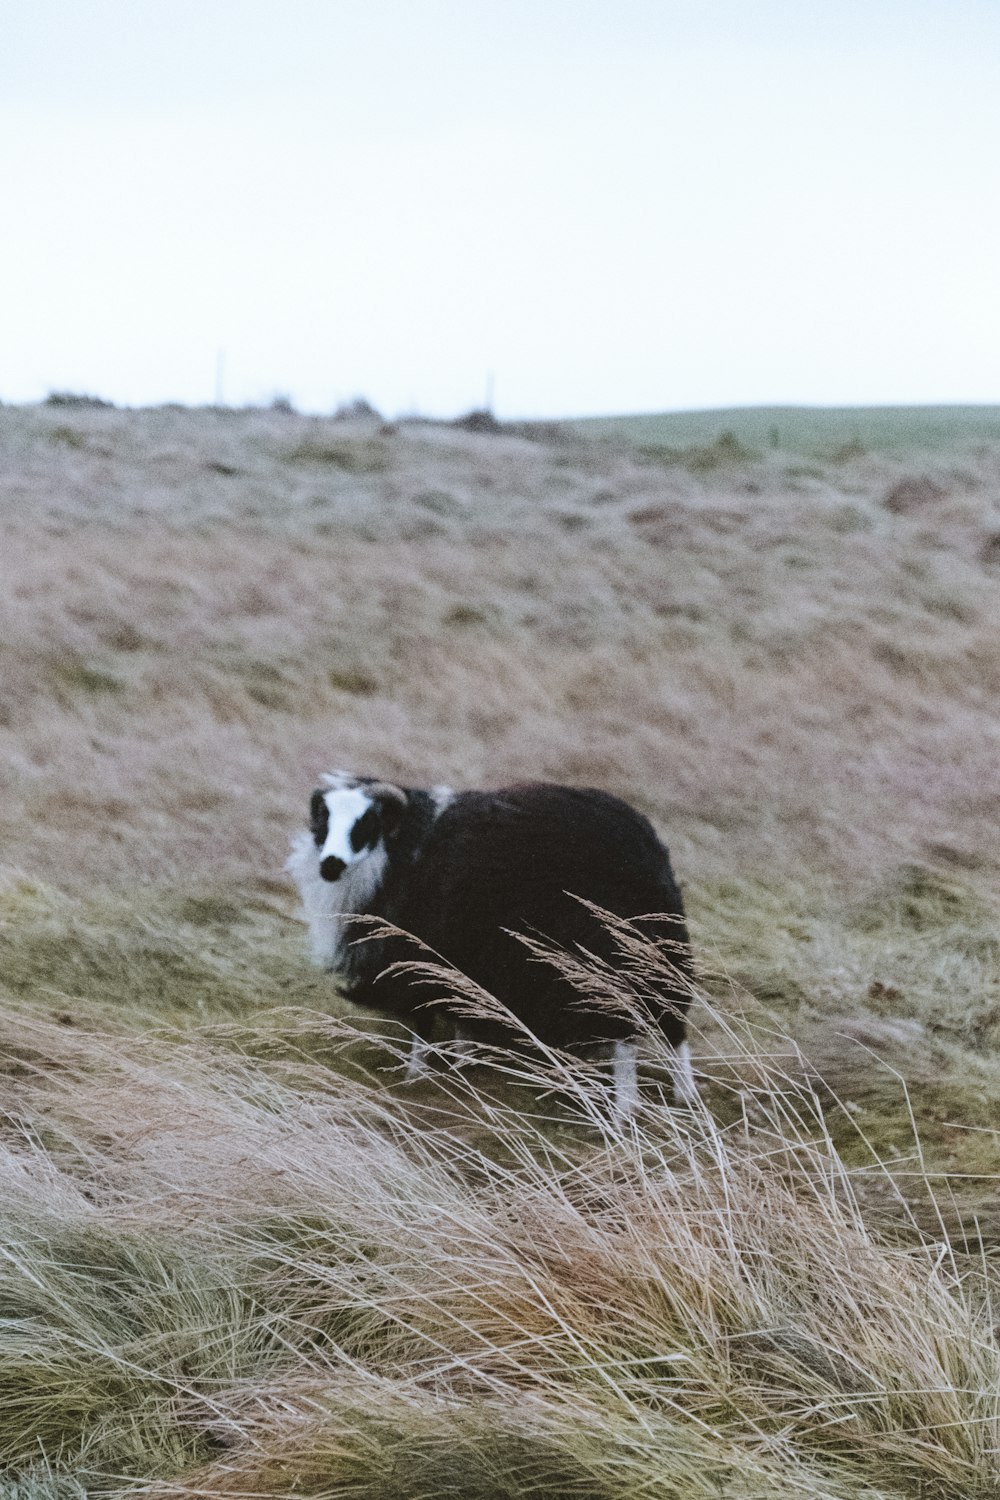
(40, 1482)
(71, 675)
(357, 456)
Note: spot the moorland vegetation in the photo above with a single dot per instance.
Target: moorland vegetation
(239, 1256)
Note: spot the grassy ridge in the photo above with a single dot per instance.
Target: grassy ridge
(834, 433)
(240, 1257)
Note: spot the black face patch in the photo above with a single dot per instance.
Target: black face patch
(319, 818)
(367, 830)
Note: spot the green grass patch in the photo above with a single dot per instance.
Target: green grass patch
(160, 957)
(79, 676)
(724, 452)
(358, 456)
(837, 433)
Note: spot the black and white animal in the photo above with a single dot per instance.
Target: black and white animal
(461, 871)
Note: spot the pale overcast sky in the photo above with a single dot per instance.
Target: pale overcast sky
(632, 205)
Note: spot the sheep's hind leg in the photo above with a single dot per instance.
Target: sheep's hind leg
(625, 1073)
(463, 1046)
(682, 1075)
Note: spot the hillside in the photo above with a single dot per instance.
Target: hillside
(776, 633)
(822, 432)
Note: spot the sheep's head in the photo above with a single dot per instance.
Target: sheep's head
(350, 817)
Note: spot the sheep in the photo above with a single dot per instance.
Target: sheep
(464, 873)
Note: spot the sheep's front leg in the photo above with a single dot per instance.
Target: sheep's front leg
(418, 1062)
(417, 1065)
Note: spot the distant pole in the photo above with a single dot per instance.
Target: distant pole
(490, 382)
(220, 377)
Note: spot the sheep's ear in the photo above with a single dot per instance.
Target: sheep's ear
(392, 803)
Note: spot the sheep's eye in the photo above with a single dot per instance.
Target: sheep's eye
(319, 817)
(365, 833)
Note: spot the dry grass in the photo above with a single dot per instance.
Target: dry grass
(787, 656)
(786, 673)
(222, 1277)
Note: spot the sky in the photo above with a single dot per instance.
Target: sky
(568, 207)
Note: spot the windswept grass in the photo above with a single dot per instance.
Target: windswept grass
(222, 1277)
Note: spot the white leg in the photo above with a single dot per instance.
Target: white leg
(463, 1046)
(682, 1076)
(417, 1064)
(626, 1080)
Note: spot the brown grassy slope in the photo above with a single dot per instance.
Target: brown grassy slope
(201, 610)
(791, 664)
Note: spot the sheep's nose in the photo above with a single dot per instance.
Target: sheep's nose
(331, 868)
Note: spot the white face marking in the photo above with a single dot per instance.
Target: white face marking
(327, 903)
(345, 805)
(336, 780)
